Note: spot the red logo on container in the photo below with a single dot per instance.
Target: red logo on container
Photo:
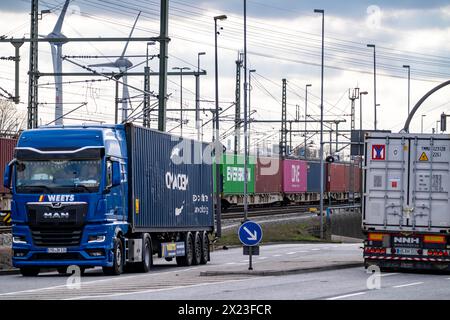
(378, 152)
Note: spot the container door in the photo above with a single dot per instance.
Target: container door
(386, 181)
(429, 192)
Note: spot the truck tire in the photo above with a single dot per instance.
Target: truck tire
(187, 259)
(118, 258)
(29, 271)
(197, 249)
(147, 256)
(205, 248)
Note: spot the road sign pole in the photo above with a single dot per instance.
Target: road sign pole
(250, 255)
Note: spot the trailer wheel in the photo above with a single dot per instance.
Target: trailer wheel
(118, 256)
(29, 271)
(205, 248)
(197, 249)
(147, 256)
(187, 259)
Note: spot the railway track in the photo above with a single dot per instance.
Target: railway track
(5, 229)
(239, 213)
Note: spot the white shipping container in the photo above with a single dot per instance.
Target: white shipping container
(406, 182)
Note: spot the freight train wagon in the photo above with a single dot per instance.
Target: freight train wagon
(275, 181)
(7, 146)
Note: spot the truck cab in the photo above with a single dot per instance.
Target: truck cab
(69, 187)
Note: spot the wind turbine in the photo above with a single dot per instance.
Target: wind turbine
(57, 63)
(123, 64)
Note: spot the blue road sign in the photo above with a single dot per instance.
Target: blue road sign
(250, 233)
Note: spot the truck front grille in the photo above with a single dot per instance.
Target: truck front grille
(57, 256)
(56, 237)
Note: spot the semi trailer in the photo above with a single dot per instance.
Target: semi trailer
(109, 196)
(406, 211)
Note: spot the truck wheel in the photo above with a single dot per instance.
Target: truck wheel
(147, 257)
(205, 248)
(118, 256)
(186, 260)
(29, 271)
(197, 249)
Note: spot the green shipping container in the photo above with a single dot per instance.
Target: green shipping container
(232, 173)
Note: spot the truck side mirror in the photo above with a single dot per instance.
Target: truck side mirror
(7, 177)
(116, 175)
(443, 122)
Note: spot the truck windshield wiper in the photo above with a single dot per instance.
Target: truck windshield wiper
(82, 186)
(37, 186)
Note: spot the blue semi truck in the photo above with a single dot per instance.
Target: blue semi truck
(110, 196)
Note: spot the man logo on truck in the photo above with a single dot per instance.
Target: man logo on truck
(56, 215)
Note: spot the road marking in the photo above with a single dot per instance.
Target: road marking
(291, 252)
(408, 285)
(315, 249)
(387, 274)
(302, 251)
(231, 263)
(276, 255)
(156, 290)
(347, 295)
(96, 281)
(262, 258)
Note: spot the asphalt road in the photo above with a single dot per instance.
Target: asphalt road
(166, 281)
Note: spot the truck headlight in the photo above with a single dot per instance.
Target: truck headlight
(97, 238)
(19, 240)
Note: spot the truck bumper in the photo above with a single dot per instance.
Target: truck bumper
(87, 253)
(408, 263)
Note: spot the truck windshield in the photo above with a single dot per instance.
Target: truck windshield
(56, 176)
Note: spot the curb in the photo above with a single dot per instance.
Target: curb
(9, 272)
(283, 272)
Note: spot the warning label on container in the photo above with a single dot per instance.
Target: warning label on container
(423, 157)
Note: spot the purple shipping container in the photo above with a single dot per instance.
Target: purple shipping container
(294, 176)
(6, 155)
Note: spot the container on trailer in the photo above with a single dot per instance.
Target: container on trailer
(232, 174)
(407, 182)
(269, 175)
(170, 182)
(6, 155)
(294, 176)
(313, 177)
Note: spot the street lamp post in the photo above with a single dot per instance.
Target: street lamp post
(197, 95)
(181, 94)
(306, 117)
(409, 87)
(245, 121)
(374, 83)
(360, 109)
(322, 173)
(421, 123)
(376, 106)
(249, 102)
(216, 125)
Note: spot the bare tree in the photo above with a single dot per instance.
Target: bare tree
(12, 121)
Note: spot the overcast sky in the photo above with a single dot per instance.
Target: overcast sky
(283, 42)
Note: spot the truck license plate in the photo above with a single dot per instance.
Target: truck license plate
(56, 250)
(406, 251)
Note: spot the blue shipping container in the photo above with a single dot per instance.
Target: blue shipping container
(314, 177)
(167, 195)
